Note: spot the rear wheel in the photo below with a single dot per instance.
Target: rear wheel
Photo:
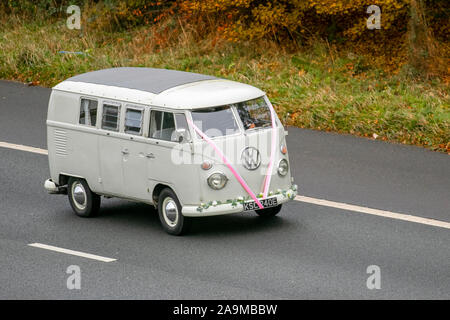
(83, 201)
(169, 211)
(269, 212)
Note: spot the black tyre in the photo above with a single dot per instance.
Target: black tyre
(169, 211)
(269, 212)
(83, 201)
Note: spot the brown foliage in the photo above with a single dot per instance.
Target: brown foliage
(411, 30)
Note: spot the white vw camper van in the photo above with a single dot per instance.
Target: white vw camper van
(191, 145)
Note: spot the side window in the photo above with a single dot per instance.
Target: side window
(155, 124)
(133, 121)
(110, 119)
(88, 112)
(180, 118)
(162, 125)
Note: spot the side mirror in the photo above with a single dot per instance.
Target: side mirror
(180, 135)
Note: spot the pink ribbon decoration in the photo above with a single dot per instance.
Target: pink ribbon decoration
(272, 149)
(227, 163)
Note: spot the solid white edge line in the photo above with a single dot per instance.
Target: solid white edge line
(71, 252)
(376, 212)
(23, 148)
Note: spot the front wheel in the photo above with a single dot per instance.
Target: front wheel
(83, 201)
(269, 212)
(169, 211)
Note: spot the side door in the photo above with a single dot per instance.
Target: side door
(162, 167)
(135, 156)
(110, 149)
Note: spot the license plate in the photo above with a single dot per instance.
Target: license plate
(267, 203)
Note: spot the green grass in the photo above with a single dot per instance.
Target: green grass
(310, 88)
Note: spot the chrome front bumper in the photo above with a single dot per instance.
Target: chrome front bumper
(228, 208)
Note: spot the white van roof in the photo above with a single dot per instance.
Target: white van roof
(160, 87)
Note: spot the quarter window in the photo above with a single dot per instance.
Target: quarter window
(110, 119)
(133, 121)
(88, 112)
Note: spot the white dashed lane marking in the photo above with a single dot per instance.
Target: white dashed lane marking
(71, 252)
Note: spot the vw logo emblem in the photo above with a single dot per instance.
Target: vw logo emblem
(251, 158)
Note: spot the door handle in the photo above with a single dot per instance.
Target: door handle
(150, 155)
(125, 151)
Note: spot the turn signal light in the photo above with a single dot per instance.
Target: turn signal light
(206, 165)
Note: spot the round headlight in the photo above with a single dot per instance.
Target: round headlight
(283, 167)
(217, 180)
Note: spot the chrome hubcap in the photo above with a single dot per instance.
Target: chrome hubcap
(170, 211)
(79, 195)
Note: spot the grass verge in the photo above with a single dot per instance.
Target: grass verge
(313, 88)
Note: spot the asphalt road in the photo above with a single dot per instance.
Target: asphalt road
(308, 252)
